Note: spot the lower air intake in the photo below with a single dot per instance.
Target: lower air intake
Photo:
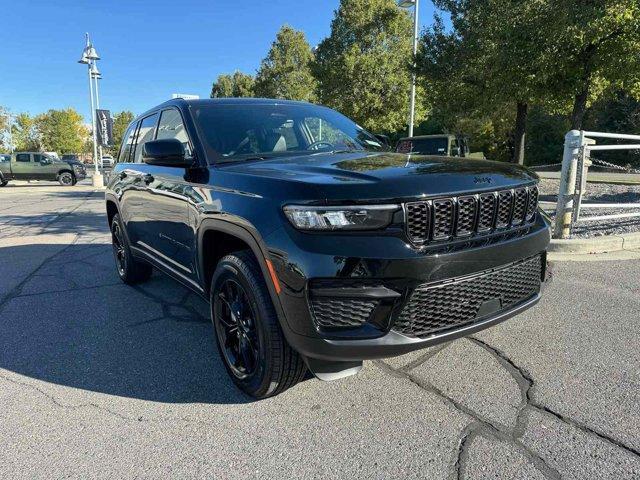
(435, 308)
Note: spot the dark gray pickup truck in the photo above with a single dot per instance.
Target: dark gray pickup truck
(40, 166)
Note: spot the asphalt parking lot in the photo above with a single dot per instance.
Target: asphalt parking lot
(102, 380)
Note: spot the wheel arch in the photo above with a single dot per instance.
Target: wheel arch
(237, 238)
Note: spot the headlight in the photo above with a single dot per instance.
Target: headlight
(367, 217)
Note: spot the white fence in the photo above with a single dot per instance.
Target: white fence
(576, 161)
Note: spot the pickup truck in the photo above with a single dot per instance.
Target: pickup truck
(40, 166)
(446, 145)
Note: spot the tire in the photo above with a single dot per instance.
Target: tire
(276, 366)
(3, 183)
(67, 179)
(130, 270)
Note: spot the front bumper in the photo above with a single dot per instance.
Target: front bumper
(390, 271)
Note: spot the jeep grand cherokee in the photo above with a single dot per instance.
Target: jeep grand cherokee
(315, 247)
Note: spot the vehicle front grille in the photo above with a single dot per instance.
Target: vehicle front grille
(341, 312)
(458, 217)
(433, 308)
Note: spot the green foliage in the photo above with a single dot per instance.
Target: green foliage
(26, 136)
(286, 71)
(363, 67)
(61, 131)
(121, 121)
(236, 85)
(596, 48)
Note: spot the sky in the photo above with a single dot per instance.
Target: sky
(148, 49)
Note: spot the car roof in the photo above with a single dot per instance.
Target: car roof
(184, 104)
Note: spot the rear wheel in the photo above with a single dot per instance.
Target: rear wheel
(66, 179)
(130, 270)
(3, 183)
(249, 338)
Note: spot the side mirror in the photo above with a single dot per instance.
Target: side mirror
(384, 139)
(168, 152)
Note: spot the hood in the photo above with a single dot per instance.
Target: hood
(366, 175)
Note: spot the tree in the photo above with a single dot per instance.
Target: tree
(597, 49)
(236, 85)
(363, 67)
(121, 121)
(26, 136)
(286, 71)
(491, 60)
(61, 131)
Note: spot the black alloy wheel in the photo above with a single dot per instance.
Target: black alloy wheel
(236, 329)
(247, 329)
(119, 253)
(130, 270)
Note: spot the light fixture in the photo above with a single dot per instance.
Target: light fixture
(406, 3)
(92, 54)
(94, 70)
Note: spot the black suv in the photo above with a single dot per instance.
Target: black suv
(315, 246)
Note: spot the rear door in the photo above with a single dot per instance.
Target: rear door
(21, 166)
(132, 184)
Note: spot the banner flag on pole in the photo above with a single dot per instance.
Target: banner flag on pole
(104, 128)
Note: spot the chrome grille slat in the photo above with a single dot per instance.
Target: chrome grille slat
(450, 218)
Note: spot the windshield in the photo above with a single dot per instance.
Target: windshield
(425, 146)
(236, 132)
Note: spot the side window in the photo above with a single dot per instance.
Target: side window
(23, 157)
(171, 126)
(37, 157)
(127, 143)
(146, 133)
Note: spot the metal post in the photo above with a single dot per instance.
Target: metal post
(564, 210)
(98, 108)
(412, 108)
(93, 124)
(584, 162)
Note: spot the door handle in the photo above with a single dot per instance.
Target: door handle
(147, 178)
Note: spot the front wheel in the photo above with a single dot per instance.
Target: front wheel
(249, 338)
(66, 179)
(3, 183)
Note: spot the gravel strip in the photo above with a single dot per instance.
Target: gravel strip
(598, 193)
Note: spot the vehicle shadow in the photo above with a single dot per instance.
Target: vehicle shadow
(73, 323)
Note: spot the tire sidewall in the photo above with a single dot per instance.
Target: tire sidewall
(259, 381)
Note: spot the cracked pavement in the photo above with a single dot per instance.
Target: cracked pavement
(102, 380)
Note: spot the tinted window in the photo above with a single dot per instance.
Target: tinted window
(146, 133)
(23, 157)
(425, 146)
(172, 126)
(37, 157)
(4, 158)
(127, 144)
(240, 131)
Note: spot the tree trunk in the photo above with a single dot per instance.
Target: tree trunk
(579, 108)
(520, 132)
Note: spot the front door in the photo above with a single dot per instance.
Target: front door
(168, 233)
(44, 167)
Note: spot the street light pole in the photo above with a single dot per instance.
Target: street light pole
(96, 76)
(412, 101)
(89, 57)
(93, 126)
